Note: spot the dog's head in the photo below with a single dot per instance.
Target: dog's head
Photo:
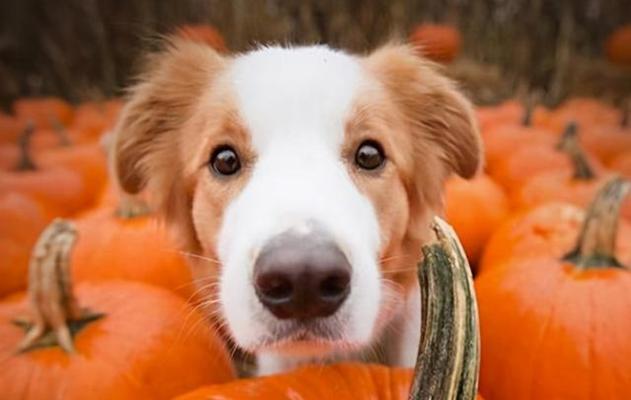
(309, 175)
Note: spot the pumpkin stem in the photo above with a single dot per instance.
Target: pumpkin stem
(56, 312)
(626, 110)
(448, 358)
(24, 142)
(61, 132)
(569, 144)
(131, 206)
(597, 241)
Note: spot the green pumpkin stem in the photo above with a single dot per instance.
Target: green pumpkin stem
(448, 359)
(56, 314)
(25, 163)
(570, 145)
(597, 241)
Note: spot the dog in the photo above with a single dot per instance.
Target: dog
(304, 179)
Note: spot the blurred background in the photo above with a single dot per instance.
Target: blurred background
(88, 49)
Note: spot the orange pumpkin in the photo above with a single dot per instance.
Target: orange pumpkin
(204, 34)
(106, 340)
(10, 128)
(93, 119)
(122, 244)
(618, 46)
(557, 327)
(475, 208)
(59, 189)
(437, 42)
(21, 220)
(531, 159)
(622, 164)
(501, 139)
(340, 381)
(44, 112)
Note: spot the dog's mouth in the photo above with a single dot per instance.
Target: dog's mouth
(306, 337)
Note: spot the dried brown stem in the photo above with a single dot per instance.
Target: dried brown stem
(597, 240)
(24, 143)
(570, 145)
(53, 304)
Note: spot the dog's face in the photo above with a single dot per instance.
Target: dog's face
(307, 176)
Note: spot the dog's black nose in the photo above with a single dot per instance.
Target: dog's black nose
(302, 276)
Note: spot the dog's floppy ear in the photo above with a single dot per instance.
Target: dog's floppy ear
(432, 106)
(158, 105)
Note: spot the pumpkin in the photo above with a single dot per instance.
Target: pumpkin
(503, 137)
(447, 363)
(475, 208)
(10, 128)
(558, 327)
(59, 189)
(106, 340)
(618, 46)
(622, 164)
(21, 220)
(203, 34)
(128, 243)
(583, 111)
(44, 112)
(92, 119)
(531, 159)
(87, 160)
(437, 42)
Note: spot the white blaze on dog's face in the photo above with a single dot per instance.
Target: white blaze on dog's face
(295, 104)
(306, 175)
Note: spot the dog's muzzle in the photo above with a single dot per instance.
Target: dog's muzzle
(302, 276)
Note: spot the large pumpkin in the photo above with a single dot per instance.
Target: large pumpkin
(436, 41)
(114, 340)
(128, 243)
(475, 208)
(447, 360)
(558, 327)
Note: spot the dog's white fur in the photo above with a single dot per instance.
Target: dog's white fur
(295, 104)
(298, 180)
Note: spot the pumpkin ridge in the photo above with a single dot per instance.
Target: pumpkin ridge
(596, 244)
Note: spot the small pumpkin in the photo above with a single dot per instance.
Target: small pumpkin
(437, 42)
(127, 242)
(618, 46)
(557, 327)
(203, 34)
(106, 340)
(622, 164)
(44, 112)
(447, 361)
(475, 208)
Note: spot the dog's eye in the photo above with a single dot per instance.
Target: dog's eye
(369, 155)
(225, 161)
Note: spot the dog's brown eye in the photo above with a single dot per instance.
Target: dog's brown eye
(369, 155)
(225, 161)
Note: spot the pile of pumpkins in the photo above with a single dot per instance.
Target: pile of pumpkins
(101, 303)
